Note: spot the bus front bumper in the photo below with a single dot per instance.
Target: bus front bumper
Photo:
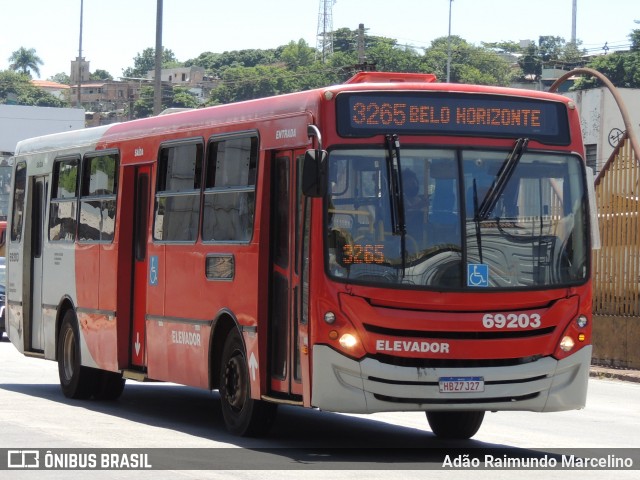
(341, 384)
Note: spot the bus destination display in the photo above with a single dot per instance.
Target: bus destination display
(367, 114)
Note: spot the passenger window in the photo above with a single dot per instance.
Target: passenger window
(177, 210)
(64, 200)
(230, 190)
(98, 198)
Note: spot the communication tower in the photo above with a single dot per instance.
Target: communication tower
(324, 46)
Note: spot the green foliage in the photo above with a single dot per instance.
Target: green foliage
(144, 62)
(183, 98)
(531, 62)
(18, 87)
(100, 75)
(298, 55)
(143, 107)
(550, 47)
(621, 68)
(507, 47)
(469, 64)
(62, 78)
(26, 61)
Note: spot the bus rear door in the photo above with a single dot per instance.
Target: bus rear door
(141, 265)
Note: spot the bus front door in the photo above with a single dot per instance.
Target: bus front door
(284, 293)
(38, 200)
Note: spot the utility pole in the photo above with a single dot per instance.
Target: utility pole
(80, 58)
(449, 46)
(573, 21)
(362, 64)
(157, 85)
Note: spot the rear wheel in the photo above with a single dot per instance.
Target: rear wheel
(242, 414)
(455, 425)
(109, 385)
(76, 381)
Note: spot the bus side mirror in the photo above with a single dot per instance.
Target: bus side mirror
(313, 173)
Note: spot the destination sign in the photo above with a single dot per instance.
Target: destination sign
(436, 113)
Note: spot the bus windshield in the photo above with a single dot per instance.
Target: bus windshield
(532, 232)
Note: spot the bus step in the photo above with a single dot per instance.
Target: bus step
(283, 401)
(135, 375)
(38, 354)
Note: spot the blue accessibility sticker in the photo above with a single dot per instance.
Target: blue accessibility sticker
(477, 275)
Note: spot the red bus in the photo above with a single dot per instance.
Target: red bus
(389, 244)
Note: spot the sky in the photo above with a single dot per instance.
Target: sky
(115, 31)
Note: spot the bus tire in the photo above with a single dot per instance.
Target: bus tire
(76, 381)
(455, 425)
(242, 415)
(109, 385)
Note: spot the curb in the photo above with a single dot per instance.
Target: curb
(615, 374)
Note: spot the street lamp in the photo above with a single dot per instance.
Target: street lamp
(449, 46)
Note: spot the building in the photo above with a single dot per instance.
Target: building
(181, 76)
(79, 66)
(105, 95)
(18, 122)
(58, 90)
(602, 124)
(193, 78)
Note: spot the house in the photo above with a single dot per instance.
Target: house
(58, 90)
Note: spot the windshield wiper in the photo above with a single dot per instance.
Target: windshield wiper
(398, 226)
(501, 180)
(476, 219)
(398, 223)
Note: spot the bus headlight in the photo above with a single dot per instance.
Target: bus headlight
(348, 340)
(567, 343)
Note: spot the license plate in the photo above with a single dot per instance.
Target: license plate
(461, 384)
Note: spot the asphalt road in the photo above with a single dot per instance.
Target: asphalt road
(184, 429)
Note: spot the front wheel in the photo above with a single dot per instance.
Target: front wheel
(455, 425)
(242, 415)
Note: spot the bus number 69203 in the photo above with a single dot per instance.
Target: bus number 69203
(511, 320)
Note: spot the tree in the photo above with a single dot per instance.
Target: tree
(100, 75)
(550, 48)
(469, 64)
(61, 77)
(621, 68)
(531, 62)
(183, 98)
(25, 61)
(240, 83)
(19, 86)
(143, 107)
(297, 55)
(634, 36)
(145, 62)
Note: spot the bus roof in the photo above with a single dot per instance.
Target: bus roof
(286, 105)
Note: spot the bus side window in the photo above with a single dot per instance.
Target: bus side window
(17, 215)
(98, 198)
(230, 189)
(64, 200)
(178, 193)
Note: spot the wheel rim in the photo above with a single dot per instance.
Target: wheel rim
(68, 354)
(235, 382)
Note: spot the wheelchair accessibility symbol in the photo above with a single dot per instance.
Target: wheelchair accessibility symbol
(477, 275)
(153, 270)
